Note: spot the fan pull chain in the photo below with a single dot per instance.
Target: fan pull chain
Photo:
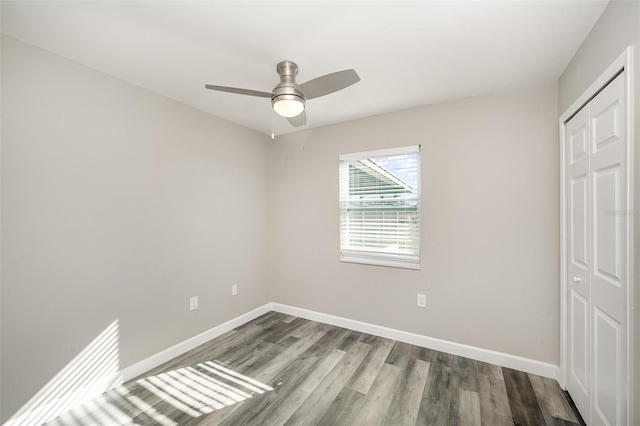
(273, 135)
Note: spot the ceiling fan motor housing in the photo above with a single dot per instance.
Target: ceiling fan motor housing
(287, 89)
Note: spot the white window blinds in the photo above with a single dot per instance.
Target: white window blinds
(380, 207)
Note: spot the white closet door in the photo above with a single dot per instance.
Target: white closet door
(578, 259)
(608, 279)
(596, 223)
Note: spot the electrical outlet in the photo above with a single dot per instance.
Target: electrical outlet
(193, 303)
(234, 289)
(422, 300)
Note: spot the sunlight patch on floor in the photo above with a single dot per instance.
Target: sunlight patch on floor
(167, 398)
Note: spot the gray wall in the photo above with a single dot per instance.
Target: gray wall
(490, 236)
(617, 28)
(118, 204)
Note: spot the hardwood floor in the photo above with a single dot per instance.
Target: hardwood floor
(283, 370)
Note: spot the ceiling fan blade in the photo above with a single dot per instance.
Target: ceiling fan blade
(239, 91)
(299, 120)
(329, 83)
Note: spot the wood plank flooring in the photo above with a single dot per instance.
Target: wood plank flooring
(283, 370)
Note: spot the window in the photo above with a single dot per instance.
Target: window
(380, 207)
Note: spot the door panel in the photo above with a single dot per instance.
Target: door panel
(579, 341)
(606, 124)
(596, 265)
(607, 209)
(607, 402)
(579, 260)
(579, 224)
(578, 143)
(608, 279)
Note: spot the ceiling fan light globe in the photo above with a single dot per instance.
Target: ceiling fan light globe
(288, 105)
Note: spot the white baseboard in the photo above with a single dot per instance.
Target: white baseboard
(499, 358)
(168, 354)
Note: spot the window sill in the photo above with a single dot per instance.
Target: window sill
(380, 262)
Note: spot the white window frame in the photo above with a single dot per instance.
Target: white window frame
(363, 257)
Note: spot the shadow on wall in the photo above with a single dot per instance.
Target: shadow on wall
(92, 372)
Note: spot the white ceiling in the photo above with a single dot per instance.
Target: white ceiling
(406, 53)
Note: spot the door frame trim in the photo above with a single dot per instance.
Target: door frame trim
(623, 63)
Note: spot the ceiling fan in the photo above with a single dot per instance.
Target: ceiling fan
(289, 98)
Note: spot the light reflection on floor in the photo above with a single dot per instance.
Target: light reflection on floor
(167, 399)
